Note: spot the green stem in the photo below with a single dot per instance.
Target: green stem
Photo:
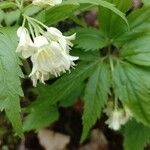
(116, 103)
(35, 20)
(110, 59)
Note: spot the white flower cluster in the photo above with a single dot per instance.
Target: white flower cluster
(117, 117)
(49, 53)
(47, 2)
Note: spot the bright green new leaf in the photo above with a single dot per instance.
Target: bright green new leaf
(136, 136)
(96, 95)
(10, 73)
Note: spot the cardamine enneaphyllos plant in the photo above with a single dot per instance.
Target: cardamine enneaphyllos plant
(107, 66)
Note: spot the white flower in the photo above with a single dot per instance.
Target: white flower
(25, 46)
(115, 120)
(116, 117)
(49, 59)
(65, 41)
(47, 2)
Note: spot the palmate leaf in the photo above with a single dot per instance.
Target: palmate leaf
(64, 86)
(136, 136)
(51, 94)
(135, 43)
(131, 84)
(89, 39)
(96, 95)
(10, 73)
(139, 22)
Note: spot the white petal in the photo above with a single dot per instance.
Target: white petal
(40, 41)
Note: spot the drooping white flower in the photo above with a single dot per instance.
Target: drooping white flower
(49, 59)
(115, 120)
(47, 2)
(65, 41)
(25, 46)
(116, 117)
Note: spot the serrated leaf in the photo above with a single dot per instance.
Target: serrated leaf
(10, 73)
(131, 84)
(137, 51)
(136, 136)
(85, 56)
(89, 39)
(96, 95)
(110, 23)
(72, 97)
(40, 116)
(55, 14)
(60, 89)
(139, 22)
(102, 3)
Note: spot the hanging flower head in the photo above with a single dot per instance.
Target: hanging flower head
(65, 41)
(51, 50)
(116, 116)
(25, 46)
(47, 2)
(115, 119)
(49, 59)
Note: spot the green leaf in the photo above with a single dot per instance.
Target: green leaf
(96, 95)
(55, 14)
(9, 20)
(89, 39)
(137, 51)
(5, 5)
(139, 22)
(85, 56)
(146, 2)
(40, 116)
(136, 136)
(110, 23)
(10, 73)
(131, 84)
(102, 3)
(64, 86)
(72, 97)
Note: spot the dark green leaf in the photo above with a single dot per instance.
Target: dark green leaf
(55, 14)
(96, 95)
(41, 115)
(110, 23)
(132, 85)
(137, 51)
(89, 39)
(136, 136)
(64, 86)
(102, 3)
